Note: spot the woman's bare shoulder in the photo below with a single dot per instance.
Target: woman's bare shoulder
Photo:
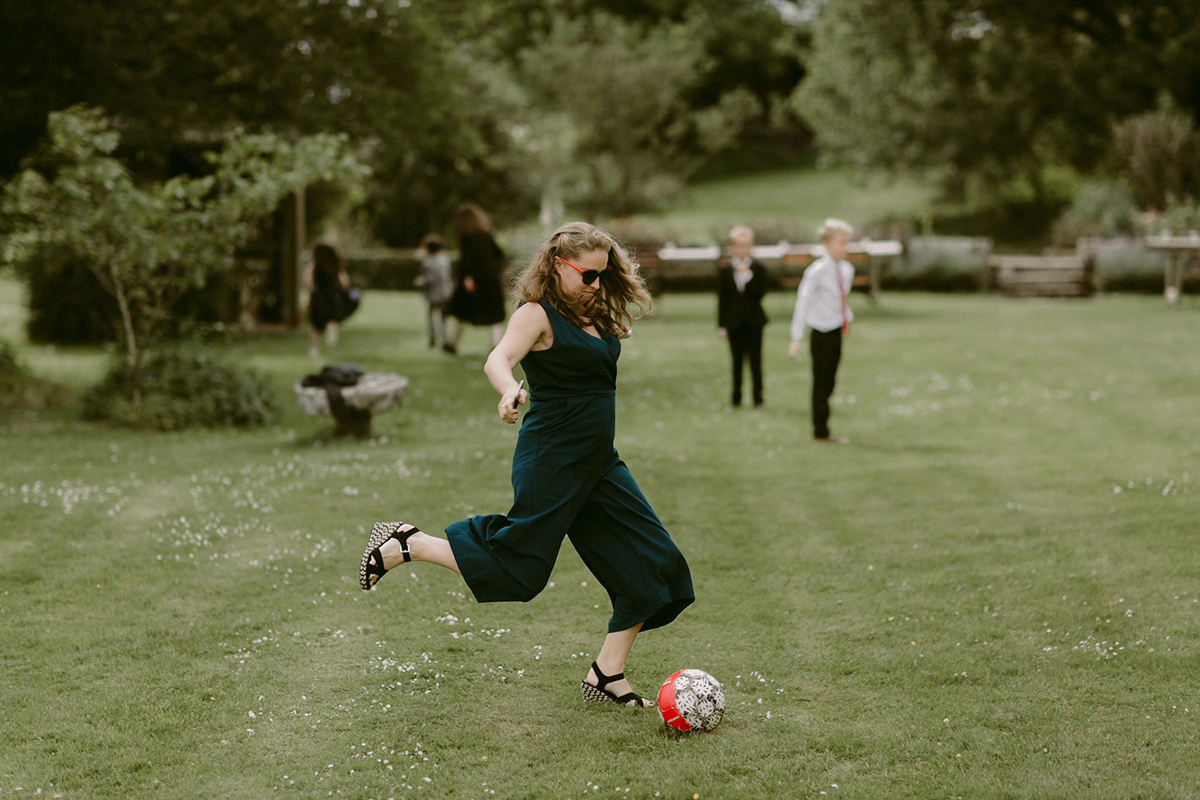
(531, 312)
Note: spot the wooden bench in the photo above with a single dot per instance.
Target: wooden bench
(1041, 276)
(786, 261)
(375, 393)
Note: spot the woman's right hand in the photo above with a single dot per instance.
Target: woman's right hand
(517, 396)
(527, 326)
(469, 283)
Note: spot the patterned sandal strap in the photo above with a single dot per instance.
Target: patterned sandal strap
(625, 698)
(603, 680)
(403, 541)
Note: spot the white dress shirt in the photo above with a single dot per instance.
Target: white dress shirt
(819, 299)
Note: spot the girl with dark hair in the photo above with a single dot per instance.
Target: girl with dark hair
(478, 297)
(567, 477)
(330, 298)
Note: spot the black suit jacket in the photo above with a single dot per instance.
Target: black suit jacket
(737, 309)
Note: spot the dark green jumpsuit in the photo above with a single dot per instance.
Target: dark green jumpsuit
(569, 481)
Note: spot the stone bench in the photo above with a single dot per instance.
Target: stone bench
(375, 393)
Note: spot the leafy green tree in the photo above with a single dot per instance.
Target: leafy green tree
(433, 88)
(992, 89)
(177, 73)
(621, 85)
(175, 69)
(147, 246)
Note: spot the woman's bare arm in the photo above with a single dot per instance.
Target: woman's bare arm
(528, 327)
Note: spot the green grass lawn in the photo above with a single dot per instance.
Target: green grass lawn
(791, 203)
(992, 591)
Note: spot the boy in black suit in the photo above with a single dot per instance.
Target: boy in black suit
(741, 284)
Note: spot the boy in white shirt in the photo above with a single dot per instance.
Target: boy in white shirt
(821, 306)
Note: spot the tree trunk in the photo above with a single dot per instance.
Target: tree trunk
(135, 355)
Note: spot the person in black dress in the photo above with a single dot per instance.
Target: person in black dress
(568, 479)
(330, 300)
(741, 284)
(478, 297)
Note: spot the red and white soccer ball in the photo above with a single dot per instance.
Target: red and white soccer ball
(691, 699)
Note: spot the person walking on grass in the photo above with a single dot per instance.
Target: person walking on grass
(821, 306)
(331, 300)
(567, 477)
(478, 298)
(436, 285)
(741, 284)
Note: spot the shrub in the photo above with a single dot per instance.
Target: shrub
(1099, 209)
(1179, 218)
(1158, 151)
(21, 392)
(171, 391)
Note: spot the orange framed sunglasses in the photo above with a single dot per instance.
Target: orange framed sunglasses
(588, 275)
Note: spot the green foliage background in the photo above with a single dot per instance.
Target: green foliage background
(604, 108)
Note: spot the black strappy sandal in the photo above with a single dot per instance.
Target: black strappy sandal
(598, 694)
(372, 559)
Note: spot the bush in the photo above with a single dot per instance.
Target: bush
(1159, 153)
(1180, 218)
(21, 392)
(172, 391)
(383, 268)
(1013, 223)
(1099, 209)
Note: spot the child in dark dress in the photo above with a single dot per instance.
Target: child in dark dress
(568, 479)
(331, 300)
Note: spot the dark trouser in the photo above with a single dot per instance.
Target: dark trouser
(826, 349)
(744, 342)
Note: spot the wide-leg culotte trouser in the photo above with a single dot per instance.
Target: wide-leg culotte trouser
(569, 481)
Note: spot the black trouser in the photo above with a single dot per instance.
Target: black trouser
(743, 342)
(826, 349)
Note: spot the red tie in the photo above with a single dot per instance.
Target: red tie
(837, 271)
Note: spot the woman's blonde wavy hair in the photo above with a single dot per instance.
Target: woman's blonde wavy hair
(609, 308)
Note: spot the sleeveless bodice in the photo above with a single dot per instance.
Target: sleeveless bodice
(576, 364)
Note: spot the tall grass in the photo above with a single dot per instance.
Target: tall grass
(990, 592)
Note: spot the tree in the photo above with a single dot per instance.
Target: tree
(176, 74)
(433, 88)
(992, 89)
(173, 69)
(148, 246)
(622, 87)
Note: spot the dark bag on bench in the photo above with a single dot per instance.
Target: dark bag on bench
(333, 378)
